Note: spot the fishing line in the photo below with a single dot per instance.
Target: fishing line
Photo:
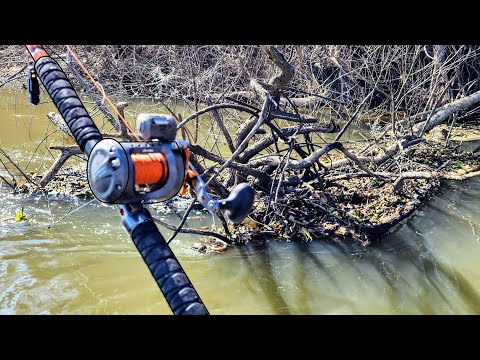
(100, 105)
(95, 83)
(71, 212)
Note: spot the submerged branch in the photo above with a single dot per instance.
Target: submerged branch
(217, 107)
(193, 231)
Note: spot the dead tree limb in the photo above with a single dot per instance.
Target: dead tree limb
(219, 189)
(352, 157)
(353, 117)
(277, 83)
(283, 115)
(262, 117)
(441, 114)
(14, 76)
(461, 177)
(325, 98)
(66, 153)
(244, 129)
(267, 141)
(7, 182)
(440, 88)
(123, 130)
(378, 160)
(10, 161)
(216, 107)
(276, 86)
(58, 121)
(280, 81)
(313, 157)
(300, 102)
(397, 185)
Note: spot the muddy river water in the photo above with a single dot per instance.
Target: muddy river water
(86, 264)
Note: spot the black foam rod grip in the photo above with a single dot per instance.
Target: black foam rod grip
(169, 275)
(67, 101)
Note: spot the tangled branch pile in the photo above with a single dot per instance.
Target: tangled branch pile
(287, 119)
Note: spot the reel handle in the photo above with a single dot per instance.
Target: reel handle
(235, 207)
(238, 204)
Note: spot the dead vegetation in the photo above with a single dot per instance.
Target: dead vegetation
(281, 119)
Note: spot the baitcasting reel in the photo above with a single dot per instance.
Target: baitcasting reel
(157, 168)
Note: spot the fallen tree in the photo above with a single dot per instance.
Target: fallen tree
(394, 164)
(314, 177)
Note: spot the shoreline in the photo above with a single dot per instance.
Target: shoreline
(361, 209)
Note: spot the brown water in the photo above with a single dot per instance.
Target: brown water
(86, 263)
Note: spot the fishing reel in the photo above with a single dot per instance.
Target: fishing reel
(157, 168)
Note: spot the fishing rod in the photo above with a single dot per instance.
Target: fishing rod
(127, 173)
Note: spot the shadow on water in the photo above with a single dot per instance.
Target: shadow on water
(427, 266)
(261, 266)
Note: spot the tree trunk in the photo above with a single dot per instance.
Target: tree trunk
(441, 114)
(439, 89)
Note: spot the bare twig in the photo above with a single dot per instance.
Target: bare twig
(182, 222)
(340, 134)
(221, 125)
(192, 231)
(263, 115)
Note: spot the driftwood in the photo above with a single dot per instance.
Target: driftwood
(66, 153)
(441, 114)
(397, 185)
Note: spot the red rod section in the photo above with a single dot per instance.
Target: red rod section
(36, 51)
